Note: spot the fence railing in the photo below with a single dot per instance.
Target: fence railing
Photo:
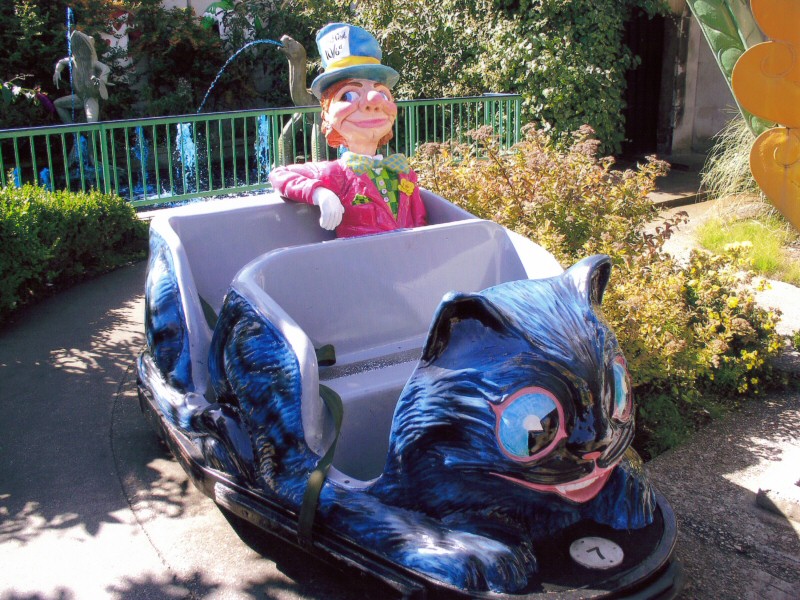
(163, 160)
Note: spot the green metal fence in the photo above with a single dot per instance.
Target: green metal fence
(161, 160)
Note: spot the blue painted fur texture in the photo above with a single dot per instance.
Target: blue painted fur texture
(520, 396)
(165, 323)
(254, 370)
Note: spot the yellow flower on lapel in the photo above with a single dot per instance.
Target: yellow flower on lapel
(407, 187)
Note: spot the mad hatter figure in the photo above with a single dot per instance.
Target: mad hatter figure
(361, 192)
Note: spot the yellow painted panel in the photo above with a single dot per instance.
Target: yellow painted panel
(778, 19)
(775, 163)
(766, 81)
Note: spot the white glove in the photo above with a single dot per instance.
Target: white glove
(330, 207)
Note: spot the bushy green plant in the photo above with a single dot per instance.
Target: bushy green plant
(53, 239)
(176, 58)
(565, 57)
(568, 60)
(693, 336)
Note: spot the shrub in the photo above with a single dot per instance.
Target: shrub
(565, 57)
(693, 336)
(53, 239)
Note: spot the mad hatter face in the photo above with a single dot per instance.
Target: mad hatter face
(362, 112)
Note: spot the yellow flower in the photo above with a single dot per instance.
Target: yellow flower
(407, 187)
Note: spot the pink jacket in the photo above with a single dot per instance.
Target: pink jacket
(298, 182)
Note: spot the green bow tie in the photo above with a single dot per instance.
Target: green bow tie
(361, 164)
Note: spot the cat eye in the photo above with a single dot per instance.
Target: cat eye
(622, 407)
(530, 423)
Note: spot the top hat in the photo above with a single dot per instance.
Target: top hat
(348, 52)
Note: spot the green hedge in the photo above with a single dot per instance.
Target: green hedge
(50, 240)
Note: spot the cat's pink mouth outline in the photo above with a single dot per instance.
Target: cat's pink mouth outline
(579, 491)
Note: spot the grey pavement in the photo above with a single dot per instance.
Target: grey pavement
(93, 506)
(91, 503)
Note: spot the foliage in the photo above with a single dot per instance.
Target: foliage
(176, 58)
(20, 105)
(763, 239)
(566, 57)
(727, 170)
(174, 55)
(694, 339)
(30, 32)
(568, 60)
(35, 34)
(259, 76)
(52, 239)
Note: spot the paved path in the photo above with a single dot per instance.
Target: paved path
(92, 506)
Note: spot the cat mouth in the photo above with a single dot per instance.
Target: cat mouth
(578, 491)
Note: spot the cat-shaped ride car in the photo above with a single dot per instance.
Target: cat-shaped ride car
(472, 434)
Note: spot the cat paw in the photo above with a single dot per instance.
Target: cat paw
(473, 563)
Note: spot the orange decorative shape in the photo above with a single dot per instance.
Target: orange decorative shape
(778, 19)
(766, 82)
(775, 163)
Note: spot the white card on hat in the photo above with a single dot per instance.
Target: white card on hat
(335, 44)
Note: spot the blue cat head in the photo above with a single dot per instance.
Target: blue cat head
(521, 388)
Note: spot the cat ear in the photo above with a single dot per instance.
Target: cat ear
(455, 308)
(591, 276)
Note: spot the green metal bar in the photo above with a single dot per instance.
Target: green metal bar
(94, 153)
(115, 170)
(3, 181)
(499, 118)
(128, 163)
(427, 134)
(170, 166)
(246, 153)
(444, 119)
(445, 134)
(461, 122)
(221, 155)
(197, 158)
(33, 160)
(79, 146)
(208, 158)
(65, 160)
(155, 160)
(407, 131)
(275, 132)
(293, 138)
(104, 162)
(142, 164)
(17, 161)
(233, 148)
